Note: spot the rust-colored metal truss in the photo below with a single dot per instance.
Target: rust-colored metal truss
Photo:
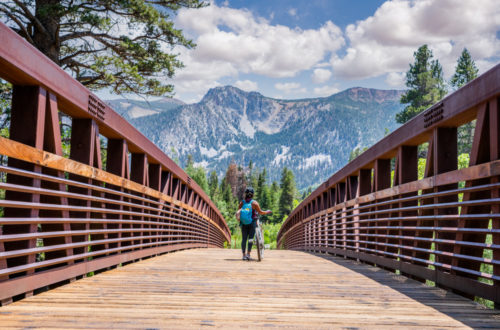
(63, 218)
(442, 228)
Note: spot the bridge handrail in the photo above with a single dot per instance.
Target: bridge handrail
(63, 218)
(447, 220)
(22, 64)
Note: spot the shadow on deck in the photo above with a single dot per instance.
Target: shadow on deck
(457, 307)
(212, 287)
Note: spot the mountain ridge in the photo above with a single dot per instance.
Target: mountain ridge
(312, 136)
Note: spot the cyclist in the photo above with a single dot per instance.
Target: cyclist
(247, 214)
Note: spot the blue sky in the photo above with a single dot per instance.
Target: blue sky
(298, 49)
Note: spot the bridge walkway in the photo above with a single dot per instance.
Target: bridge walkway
(213, 287)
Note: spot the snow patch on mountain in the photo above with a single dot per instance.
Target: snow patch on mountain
(316, 160)
(203, 164)
(137, 112)
(208, 152)
(225, 154)
(282, 156)
(245, 125)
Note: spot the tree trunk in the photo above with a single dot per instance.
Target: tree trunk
(48, 12)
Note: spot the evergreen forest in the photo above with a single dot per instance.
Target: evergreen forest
(227, 192)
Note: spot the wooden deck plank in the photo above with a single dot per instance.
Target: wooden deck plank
(213, 287)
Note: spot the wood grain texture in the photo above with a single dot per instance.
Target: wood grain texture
(213, 287)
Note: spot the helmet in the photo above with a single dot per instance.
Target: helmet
(249, 192)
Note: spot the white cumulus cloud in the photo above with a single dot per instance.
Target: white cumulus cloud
(326, 90)
(396, 79)
(231, 41)
(320, 76)
(287, 87)
(385, 42)
(246, 85)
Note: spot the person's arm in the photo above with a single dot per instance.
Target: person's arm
(237, 215)
(256, 207)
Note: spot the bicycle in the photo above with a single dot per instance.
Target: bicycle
(259, 240)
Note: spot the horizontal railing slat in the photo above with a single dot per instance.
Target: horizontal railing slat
(375, 209)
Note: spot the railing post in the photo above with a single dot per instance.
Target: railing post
(406, 171)
(26, 126)
(52, 143)
(331, 218)
(117, 162)
(364, 188)
(445, 160)
(139, 174)
(485, 148)
(342, 195)
(353, 183)
(381, 181)
(85, 148)
(154, 172)
(495, 193)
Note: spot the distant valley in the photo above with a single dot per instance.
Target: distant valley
(313, 137)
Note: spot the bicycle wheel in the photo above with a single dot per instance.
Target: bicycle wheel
(261, 241)
(259, 248)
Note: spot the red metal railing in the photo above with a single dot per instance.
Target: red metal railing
(65, 217)
(444, 227)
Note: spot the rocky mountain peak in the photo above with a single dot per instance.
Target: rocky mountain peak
(226, 95)
(313, 137)
(361, 94)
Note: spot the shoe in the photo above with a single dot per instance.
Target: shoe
(244, 257)
(249, 258)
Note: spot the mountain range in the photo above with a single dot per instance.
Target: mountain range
(313, 137)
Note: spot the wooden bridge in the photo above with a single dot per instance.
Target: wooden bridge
(215, 288)
(111, 204)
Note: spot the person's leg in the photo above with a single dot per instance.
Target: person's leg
(244, 236)
(251, 234)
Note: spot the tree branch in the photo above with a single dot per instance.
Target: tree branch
(32, 18)
(91, 80)
(22, 27)
(80, 52)
(78, 35)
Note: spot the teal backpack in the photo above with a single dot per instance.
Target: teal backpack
(246, 213)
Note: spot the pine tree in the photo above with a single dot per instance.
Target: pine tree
(227, 193)
(288, 192)
(306, 193)
(465, 72)
(198, 174)
(262, 192)
(252, 179)
(426, 85)
(213, 185)
(89, 39)
(189, 161)
(265, 203)
(274, 197)
(261, 183)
